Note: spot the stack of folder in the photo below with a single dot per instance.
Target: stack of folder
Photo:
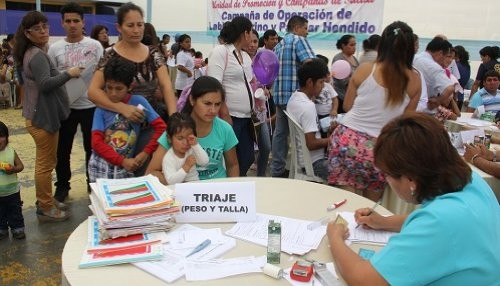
(126, 207)
(132, 248)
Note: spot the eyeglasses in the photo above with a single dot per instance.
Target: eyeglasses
(39, 28)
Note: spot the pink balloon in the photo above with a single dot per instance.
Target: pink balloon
(341, 69)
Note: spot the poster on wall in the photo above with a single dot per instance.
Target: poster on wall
(325, 17)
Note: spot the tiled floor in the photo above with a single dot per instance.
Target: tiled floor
(36, 260)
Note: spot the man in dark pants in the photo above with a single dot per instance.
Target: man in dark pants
(74, 50)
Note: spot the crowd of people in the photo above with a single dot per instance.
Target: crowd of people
(145, 106)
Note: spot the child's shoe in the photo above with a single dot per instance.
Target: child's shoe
(4, 233)
(18, 233)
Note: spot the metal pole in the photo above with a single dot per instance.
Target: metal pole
(38, 5)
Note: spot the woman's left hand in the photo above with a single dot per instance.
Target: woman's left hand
(337, 230)
(470, 151)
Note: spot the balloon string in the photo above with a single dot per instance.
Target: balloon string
(269, 118)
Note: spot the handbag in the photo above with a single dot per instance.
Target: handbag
(255, 122)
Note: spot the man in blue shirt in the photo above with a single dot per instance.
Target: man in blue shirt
(292, 51)
(488, 96)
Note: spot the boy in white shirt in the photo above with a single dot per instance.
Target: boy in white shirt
(311, 76)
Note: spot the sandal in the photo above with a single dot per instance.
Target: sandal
(52, 215)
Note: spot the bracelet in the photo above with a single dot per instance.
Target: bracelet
(472, 159)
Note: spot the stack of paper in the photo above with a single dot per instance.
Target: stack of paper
(139, 247)
(132, 206)
(296, 237)
(360, 234)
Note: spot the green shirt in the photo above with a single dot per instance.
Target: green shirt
(220, 139)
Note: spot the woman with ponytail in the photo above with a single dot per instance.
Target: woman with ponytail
(377, 93)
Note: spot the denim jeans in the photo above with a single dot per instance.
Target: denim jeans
(280, 142)
(67, 132)
(244, 149)
(11, 212)
(45, 162)
(264, 143)
(320, 168)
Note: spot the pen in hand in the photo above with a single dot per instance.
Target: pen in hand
(371, 211)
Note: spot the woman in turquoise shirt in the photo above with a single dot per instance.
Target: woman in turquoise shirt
(452, 239)
(214, 135)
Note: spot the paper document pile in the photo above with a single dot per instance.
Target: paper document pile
(137, 247)
(132, 206)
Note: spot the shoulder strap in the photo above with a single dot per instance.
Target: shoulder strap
(246, 81)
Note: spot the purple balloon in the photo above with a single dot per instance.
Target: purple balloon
(265, 66)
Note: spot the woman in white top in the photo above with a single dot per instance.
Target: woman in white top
(185, 64)
(377, 93)
(232, 66)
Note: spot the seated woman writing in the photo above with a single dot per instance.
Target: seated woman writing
(452, 239)
(214, 135)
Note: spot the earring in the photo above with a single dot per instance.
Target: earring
(412, 191)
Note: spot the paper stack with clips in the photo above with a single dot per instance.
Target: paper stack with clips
(132, 248)
(125, 207)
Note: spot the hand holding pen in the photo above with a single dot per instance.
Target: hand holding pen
(368, 217)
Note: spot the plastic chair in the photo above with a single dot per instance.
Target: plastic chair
(296, 132)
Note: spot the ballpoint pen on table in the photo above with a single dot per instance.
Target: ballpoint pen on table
(371, 211)
(200, 247)
(336, 205)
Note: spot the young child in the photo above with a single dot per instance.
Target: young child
(179, 163)
(11, 213)
(113, 136)
(326, 102)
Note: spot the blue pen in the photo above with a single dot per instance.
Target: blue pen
(200, 247)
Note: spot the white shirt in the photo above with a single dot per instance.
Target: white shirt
(85, 53)
(172, 165)
(324, 100)
(369, 112)
(434, 74)
(224, 66)
(185, 59)
(302, 109)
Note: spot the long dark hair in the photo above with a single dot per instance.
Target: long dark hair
(202, 86)
(22, 43)
(396, 51)
(232, 30)
(463, 56)
(424, 154)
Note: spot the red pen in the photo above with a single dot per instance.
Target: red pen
(336, 205)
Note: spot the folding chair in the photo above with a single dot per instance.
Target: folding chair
(296, 172)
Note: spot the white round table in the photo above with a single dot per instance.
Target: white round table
(283, 197)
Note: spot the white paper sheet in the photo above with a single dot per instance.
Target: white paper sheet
(295, 237)
(220, 268)
(171, 266)
(361, 234)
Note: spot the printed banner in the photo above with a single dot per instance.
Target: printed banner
(324, 16)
